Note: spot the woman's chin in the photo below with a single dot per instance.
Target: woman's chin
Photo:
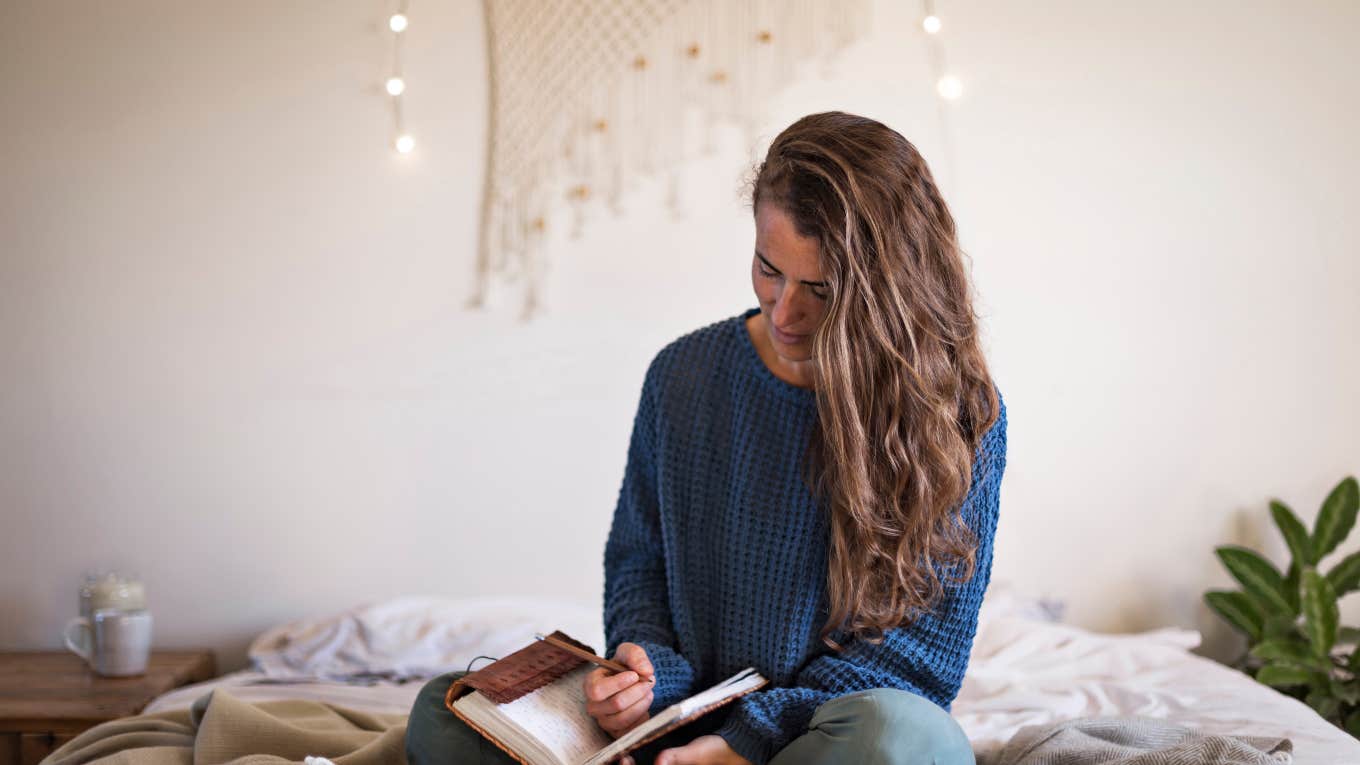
(795, 352)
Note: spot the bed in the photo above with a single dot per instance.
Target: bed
(1027, 668)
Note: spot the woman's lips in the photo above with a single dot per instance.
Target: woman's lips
(786, 338)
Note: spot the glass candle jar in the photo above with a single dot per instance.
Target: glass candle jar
(111, 590)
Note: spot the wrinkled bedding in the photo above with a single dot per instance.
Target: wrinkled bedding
(414, 637)
(1026, 668)
(223, 730)
(1024, 672)
(1137, 741)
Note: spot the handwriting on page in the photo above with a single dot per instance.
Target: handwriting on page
(556, 713)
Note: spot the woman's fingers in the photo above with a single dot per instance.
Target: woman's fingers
(634, 656)
(619, 701)
(620, 722)
(619, 711)
(602, 686)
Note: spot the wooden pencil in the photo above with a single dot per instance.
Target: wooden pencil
(588, 656)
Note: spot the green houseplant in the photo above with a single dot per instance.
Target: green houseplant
(1295, 643)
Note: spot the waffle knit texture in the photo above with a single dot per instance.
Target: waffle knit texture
(716, 558)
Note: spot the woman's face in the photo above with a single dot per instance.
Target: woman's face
(787, 277)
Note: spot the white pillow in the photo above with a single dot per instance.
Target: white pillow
(417, 637)
(1005, 598)
(420, 637)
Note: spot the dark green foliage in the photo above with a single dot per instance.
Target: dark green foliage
(1295, 641)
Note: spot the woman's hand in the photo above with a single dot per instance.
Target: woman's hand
(618, 701)
(704, 750)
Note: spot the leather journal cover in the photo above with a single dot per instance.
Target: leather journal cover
(536, 665)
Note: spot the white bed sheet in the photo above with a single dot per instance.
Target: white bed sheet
(252, 686)
(1023, 671)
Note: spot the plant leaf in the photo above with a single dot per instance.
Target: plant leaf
(1345, 576)
(1257, 576)
(1346, 690)
(1353, 723)
(1336, 518)
(1320, 613)
(1238, 610)
(1291, 587)
(1327, 707)
(1276, 627)
(1291, 652)
(1295, 535)
(1347, 635)
(1284, 675)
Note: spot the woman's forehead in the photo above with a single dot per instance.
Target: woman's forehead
(778, 241)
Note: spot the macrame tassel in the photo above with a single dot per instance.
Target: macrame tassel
(586, 98)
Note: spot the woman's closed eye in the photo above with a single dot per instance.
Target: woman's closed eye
(818, 292)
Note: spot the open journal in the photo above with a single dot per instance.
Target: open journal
(532, 704)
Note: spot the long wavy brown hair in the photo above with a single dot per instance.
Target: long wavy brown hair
(903, 391)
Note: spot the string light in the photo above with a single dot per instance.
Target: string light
(949, 87)
(396, 82)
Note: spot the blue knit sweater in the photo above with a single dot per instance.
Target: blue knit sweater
(717, 555)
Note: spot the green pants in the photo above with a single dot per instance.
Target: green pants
(882, 726)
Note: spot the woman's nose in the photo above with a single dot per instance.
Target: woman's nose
(788, 309)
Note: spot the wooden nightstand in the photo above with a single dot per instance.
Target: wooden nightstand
(47, 697)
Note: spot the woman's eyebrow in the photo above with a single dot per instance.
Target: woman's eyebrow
(770, 266)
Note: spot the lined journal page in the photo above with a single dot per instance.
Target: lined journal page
(556, 713)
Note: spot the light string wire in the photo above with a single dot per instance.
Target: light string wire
(685, 59)
(947, 87)
(396, 81)
(520, 221)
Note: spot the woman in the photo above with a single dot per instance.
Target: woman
(811, 486)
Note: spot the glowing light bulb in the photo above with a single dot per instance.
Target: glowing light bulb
(396, 85)
(931, 24)
(949, 87)
(398, 22)
(405, 143)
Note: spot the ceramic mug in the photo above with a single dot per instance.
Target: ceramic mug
(115, 643)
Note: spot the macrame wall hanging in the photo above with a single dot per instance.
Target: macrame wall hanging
(588, 95)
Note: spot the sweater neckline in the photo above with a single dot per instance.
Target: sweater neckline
(780, 387)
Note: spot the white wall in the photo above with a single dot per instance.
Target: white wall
(235, 357)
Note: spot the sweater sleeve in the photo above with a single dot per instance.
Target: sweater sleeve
(636, 604)
(927, 658)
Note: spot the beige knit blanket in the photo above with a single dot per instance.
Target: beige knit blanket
(220, 728)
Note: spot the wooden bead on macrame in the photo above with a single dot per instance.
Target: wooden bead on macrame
(565, 134)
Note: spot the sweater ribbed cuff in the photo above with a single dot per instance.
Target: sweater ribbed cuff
(674, 675)
(745, 740)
